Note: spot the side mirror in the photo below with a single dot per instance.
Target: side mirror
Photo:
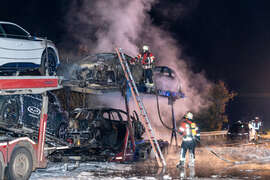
(30, 37)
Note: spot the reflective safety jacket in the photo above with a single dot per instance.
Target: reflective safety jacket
(189, 130)
(257, 125)
(146, 59)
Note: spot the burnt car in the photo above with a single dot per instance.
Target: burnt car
(23, 112)
(102, 134)
(238, 131)
(104, 127)
(104, 70)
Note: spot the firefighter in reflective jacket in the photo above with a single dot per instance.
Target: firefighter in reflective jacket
(146, 59)
(191, 134)
(252, 131)
(257, 124)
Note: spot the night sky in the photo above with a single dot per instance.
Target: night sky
(228, 39)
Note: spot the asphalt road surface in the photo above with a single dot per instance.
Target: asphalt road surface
(250, 162)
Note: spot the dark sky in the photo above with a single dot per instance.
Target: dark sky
(228, 39)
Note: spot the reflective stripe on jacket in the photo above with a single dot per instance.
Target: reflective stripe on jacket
(189, 130)
(146, 59)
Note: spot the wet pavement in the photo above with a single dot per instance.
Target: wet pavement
(249, 162)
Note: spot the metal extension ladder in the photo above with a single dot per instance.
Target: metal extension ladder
(143, 114)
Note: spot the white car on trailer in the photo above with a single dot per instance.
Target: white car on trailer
(20, 51)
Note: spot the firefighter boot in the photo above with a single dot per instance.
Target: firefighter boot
(183, 173)
(181, 164)
(191, 160)
(192, 172)
(148, 89)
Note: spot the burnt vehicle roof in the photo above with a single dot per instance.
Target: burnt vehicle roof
(102, 57)
(165, 69)
(99, 109)
(107, 57)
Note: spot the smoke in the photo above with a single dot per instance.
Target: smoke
(102, 25)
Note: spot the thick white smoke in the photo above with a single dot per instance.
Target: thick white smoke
(102, 25)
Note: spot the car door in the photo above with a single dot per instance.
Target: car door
(16, 45)
(31, 105)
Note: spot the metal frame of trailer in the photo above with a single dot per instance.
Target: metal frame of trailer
(20, 156)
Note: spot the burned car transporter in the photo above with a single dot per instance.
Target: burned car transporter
(83, 134)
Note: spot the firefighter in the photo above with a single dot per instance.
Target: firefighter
(191, 135)
(146, 59)
(252, 131)
(257, 124)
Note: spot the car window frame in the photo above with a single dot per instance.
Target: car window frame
(121, 114)
(106, 115)
(2, 30)
(83, 116)
(114, 116)
(12, 36)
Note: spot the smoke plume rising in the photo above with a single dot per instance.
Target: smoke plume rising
(102, 25)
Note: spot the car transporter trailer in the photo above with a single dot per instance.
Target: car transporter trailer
(21, 155)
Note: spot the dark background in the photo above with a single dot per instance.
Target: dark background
(228, 39)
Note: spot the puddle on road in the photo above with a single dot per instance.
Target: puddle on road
(132, 172)
(208, 166)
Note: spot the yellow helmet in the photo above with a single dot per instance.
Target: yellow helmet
(188, 115)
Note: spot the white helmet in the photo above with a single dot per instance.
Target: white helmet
(145, 48)
(188, 115)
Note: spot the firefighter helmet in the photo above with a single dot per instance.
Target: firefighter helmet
(145, 48)
(188, 115)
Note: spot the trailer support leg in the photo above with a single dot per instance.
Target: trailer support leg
(42, 130)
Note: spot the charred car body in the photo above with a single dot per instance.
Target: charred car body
(23, 112)
(103, 134)
(101, 69)
(104, 71)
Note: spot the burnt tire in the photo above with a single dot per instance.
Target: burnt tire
(10, 112)
(51, 63)
(21, 164)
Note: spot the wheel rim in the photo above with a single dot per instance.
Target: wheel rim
(21, 165)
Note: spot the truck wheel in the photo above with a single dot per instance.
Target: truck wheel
(21, 164)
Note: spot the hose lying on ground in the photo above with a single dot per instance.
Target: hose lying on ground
(230, 161)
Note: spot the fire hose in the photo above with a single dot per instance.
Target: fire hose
(158, 108)
(230, 161)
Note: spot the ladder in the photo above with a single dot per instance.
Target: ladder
(143, 114)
